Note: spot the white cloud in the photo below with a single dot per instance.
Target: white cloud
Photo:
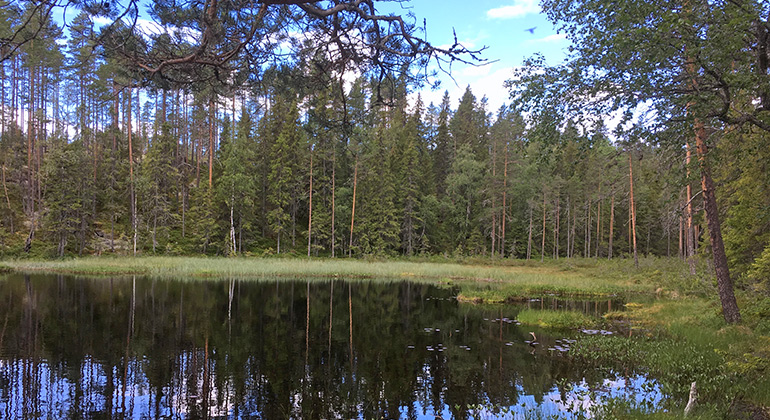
(484, 81)
(519, 8)
(101, 20)
(476, 71)
(149, 27)
(550, 38)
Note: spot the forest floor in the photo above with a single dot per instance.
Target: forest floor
(676, 332)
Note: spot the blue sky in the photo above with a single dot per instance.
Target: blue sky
(501, 25)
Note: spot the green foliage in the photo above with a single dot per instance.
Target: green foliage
(235, 186)
(69, 196)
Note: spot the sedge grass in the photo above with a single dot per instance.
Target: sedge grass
(547, 318)
(488, 283)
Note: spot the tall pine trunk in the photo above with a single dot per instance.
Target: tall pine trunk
(212, 114)
(724, 283)
(334, 192)
(529, 236)
(505, 203)
(598, 222)
(542, 246)
(689, 236)
(310, 207)
(494, 209)
(632, 206)
(132, 192)
(612, 223)
(353, 211)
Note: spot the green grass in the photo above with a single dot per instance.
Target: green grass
(685, 340)
(482, 283)
(556, 319)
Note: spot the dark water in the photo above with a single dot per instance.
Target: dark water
(141, 348)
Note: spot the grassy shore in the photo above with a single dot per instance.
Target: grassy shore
(485, 282)
(677, 332)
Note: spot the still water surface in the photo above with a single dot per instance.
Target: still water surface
(158, 349)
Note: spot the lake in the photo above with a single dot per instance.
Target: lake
(287, 348)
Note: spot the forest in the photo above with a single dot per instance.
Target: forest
(103, 154)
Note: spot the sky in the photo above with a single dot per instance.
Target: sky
(501, 26)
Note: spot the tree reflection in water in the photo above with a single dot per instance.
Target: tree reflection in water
(147, 348)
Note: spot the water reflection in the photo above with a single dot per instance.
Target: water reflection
(143, 348)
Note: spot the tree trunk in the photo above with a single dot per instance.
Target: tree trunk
(588, 231)
(8, 202)
(334, 192)
(569, 237)
(504, 215)
(632, 206)
(542, 247)
(232, 224)
(30, 148)
(494, 183)
(353, 211)
(681, 237)
(724, 284)
(529, 236)
(310, 207)
(689, 237)
(556, 231)
(212, 111)
(612, 223)
(154, 229)
(131, 171)
(574, 228)
(598, 222)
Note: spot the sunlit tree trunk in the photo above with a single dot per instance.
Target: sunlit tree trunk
(353, 211)
(612, 224)
(132, 192)
(724, 282)
(632, 206)
(212, 115)
(310, 207)
(689, 237)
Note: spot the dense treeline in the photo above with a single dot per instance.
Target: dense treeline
(94, 162)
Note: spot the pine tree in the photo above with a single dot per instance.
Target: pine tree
(236, 187)
(69, 187)
(282, 170)
(156, 189)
